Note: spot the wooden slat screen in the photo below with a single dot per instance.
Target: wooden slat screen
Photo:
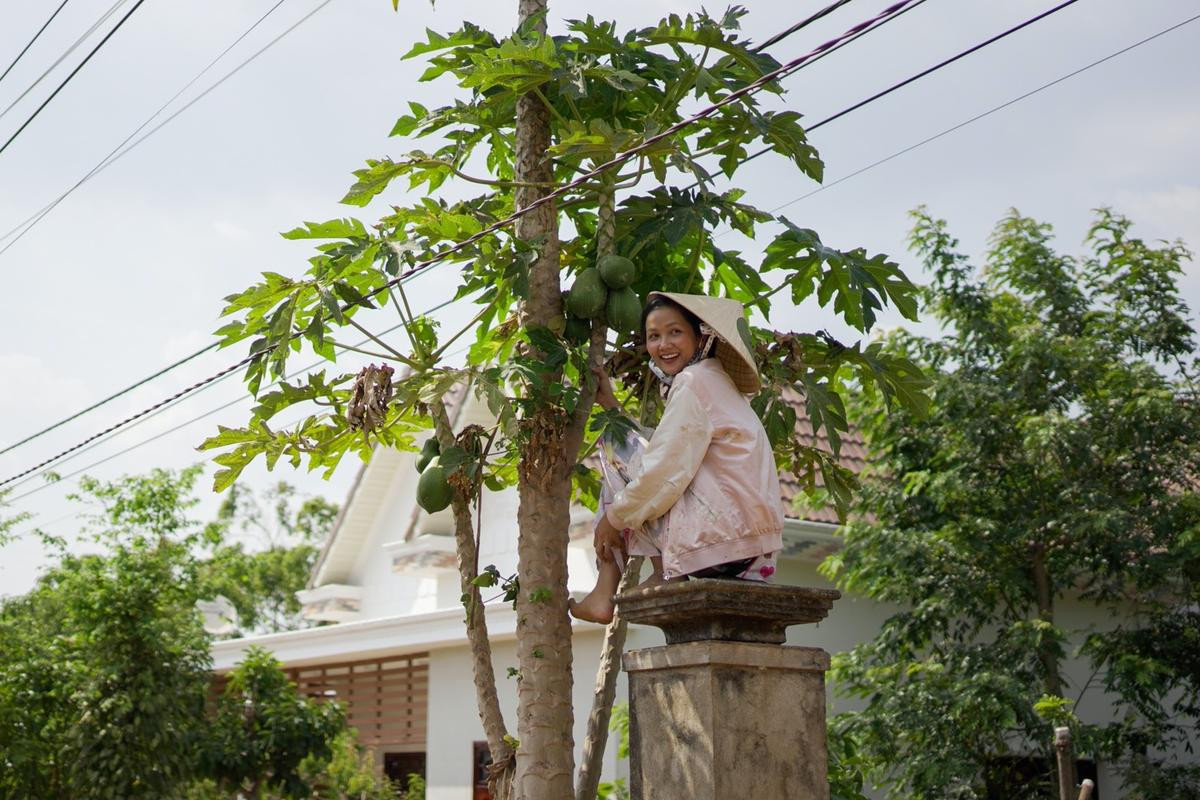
(385, 699)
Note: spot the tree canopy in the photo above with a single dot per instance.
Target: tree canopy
(1057, 469)
(568, 147)
(105, 669)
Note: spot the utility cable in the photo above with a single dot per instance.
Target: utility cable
(110, 398)
(616, 162)
(987, 113)
(74, 72)
(202, 350)
(106, 162)
(75, 46)
(923, 73)
(24, 227)
(241, 398)
(25, 49)
(804, 23)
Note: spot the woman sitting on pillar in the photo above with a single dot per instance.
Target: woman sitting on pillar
(701, 496)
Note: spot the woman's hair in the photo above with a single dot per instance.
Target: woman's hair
(663, 302)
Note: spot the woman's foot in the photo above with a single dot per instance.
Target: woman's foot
(596, 607)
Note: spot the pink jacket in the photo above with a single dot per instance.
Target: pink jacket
(711, 441)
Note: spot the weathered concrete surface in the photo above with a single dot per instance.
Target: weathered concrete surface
(723, 711)
(727, 720)
(725, 610)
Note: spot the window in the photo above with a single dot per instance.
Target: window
(398, 766)
(480, 761)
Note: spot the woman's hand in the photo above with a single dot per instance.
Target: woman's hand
(604, 391)
(606, 539)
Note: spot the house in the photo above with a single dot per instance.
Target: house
(394, 647)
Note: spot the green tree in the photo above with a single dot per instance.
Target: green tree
(264, 731)
(535, 112)
(105, 668)
(1058, 463)
(261, 571)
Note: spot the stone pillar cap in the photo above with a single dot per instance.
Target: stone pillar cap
(725, 610)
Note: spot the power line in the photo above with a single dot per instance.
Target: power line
(114, 156)
(804, 23)
(987, 113)
(106, 162)
(923, 73)
(202, 350)
(205, 415)
(74, 46)
(110, 398)
(74, 72)
(25, 49)
(617, 161)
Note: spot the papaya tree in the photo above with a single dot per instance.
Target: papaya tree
(598, 111)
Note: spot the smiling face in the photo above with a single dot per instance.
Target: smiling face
(670, 339)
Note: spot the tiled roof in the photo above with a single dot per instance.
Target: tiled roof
(853, 456)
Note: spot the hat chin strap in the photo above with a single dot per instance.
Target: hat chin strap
(707, 343)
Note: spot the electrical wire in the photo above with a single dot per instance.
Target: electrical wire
(75, 46)
(912, 78)
(240, 399)
(25, 49)
(114, 156)
(202, 350)
(110, 398)
(617, 161)
(987, 113)
(73, 73)
(105, 162)
(804, 23)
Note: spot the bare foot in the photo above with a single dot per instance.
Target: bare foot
(596, 607)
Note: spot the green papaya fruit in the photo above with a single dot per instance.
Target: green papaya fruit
(617, 271)
(587, 295)
(578, 331)
(428, 452)
(433, 489)
(624, 310)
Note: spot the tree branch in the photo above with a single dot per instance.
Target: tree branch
(477, 635)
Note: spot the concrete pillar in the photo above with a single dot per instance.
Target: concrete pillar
(725, 710)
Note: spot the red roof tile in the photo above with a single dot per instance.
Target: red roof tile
(852, 456)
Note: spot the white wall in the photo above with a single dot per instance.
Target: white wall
(454, 719)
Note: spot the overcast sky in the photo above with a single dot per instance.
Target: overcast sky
(127, 274)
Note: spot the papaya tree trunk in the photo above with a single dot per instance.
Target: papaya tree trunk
(500, 781)
(596, 740)
(596, 737)
(545, 755)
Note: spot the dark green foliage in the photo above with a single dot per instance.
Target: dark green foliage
(264, 731)
(1056, 467)
(607, 91)
(261, 552)
(104, 665)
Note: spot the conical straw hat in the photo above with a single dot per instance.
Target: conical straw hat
(728, 318)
